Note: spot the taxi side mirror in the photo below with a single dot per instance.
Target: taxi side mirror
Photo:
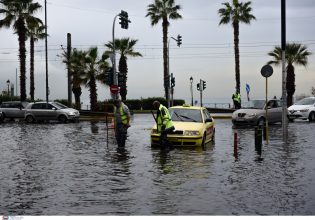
(209, 120)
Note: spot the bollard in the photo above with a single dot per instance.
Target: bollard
(264, 132)
(258, 140)
(235, 146)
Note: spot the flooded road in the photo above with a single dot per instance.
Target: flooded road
(57, 169)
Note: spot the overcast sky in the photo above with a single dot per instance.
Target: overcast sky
(206, 53)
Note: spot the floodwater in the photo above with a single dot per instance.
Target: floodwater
(69, 169)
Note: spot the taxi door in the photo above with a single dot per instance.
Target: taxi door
(209, 124)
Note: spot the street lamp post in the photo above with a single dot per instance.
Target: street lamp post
(8, 83)
(191, 90)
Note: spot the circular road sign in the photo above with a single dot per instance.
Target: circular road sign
(114, 89)
(266, 71)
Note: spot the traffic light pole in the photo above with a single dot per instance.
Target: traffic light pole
(201, 89)
(114, 54)
(169, 89)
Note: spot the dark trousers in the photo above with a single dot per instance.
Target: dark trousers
(163, 138)
(121, 134)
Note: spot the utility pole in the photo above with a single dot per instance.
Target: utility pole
(69, 71)
(46, 53)
(284, 75)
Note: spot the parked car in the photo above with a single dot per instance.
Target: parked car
(194, 126)
(254, 113)
(13, 109)
(303, 109)
(42, 111)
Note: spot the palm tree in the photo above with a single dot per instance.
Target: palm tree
(126, 48)
(94, 71)
(76, 64)
(18, 13)
(36, 31)
(164, 10)
(295, 53)
(236, 13)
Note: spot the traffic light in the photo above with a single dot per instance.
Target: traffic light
(204, 86)
(109, 76)
(123, 17)
(172, 82)
(179, 40)
(198, 86)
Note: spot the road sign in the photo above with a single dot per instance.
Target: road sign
(247, 88)
(114, 89)
(266, 71)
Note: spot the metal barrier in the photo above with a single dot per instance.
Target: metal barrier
(217, 105)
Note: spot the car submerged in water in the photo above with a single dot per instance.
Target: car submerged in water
(303, 109)
(253, 113)
(194, 126)
(43, 111)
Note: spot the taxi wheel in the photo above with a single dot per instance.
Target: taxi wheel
(213, 136)
(203, 144)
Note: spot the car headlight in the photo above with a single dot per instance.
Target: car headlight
(71, 113)
(191, 133)
(304, 110)
(252, 115)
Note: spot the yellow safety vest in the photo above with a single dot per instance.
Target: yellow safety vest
(164, 119)
(237, 97)
(123, 115)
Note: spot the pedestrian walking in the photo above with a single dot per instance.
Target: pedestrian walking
(121, 122)
(164, 124)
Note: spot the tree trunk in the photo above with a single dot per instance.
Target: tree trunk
(237, 56)
(165, 56)
(93, 94)
(32, 87)
(290, 84)
(77, 91)
(21, 30)
(123, 69)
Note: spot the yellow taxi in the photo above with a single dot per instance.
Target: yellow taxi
(194, 126)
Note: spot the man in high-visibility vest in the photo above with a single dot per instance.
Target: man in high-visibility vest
(164, 124)
(121, 122)
(237, 100)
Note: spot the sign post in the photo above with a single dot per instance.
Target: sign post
(266, 71)
(247, 91)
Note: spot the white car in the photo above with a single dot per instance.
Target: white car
(303, 109)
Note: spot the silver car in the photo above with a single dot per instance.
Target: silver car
(12, 109)
(42, 111)
(254, 113)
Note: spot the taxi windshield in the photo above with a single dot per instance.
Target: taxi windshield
(185, 115)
